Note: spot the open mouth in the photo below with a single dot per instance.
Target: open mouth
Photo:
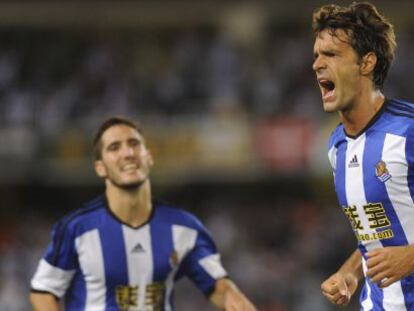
(129, 168)
(327, 87)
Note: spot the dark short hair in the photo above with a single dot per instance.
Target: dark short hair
(368, 30)
(112, 121)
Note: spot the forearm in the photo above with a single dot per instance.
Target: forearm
(227, 296)
(44, 302)
(353, 265)
(221, 289)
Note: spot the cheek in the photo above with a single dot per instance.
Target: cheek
(348, 77)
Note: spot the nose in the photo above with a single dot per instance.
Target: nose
(318, 64)
(128, 151)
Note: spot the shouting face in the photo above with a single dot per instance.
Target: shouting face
(338, 70)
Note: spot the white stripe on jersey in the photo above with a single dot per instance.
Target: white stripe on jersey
(213, 266)
(332, 158)
(139, 259)
(89, 248)
(354, 185)
(51, 279)
(397, 187)
(184, 240)
(392, 294)
(393, 298)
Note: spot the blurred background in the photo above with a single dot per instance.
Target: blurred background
(229, 104)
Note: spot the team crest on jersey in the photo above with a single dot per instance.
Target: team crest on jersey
(381, 171)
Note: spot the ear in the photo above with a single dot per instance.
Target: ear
(368, 63)
(100, 169)
(150, 158)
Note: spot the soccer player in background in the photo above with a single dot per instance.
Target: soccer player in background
(124, 251)
(372, 155)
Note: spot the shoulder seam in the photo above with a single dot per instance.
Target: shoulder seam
(400, 113)
(401, 106)
(65, 223)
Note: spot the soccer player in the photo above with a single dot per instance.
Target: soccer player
(124, 251)
(372, 155)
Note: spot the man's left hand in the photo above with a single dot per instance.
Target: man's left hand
(390, 264)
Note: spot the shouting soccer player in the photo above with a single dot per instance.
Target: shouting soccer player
(122, 250)
(371, 153)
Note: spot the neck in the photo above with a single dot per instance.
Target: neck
(356, 118)
(131, 206)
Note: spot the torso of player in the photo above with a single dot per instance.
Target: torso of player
(136, 279)
(128, 268)
(372, 184)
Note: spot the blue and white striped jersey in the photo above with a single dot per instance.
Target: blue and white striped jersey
(99, 263)
(374, 182)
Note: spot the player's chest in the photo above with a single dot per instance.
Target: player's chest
(368, 167)
(122, 255)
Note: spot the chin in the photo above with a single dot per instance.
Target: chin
(330, 107)
(129, 185)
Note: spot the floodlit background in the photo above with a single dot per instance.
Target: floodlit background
(229, 104)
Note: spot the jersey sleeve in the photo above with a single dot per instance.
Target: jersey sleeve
(202, 264)
(58, 265)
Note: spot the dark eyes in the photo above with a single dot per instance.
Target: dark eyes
(132, 143)
(113, 147)
(327, 54)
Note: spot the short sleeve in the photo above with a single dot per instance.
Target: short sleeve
(203, 264)
(57, 267)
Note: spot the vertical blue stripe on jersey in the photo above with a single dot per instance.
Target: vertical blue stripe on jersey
(372, 155)
(114, 256)
(75, 297)
(161, 252)
(340, 174)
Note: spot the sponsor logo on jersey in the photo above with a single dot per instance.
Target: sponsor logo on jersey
(138, 248)
(381, 171)
(378, 222)
(127, 297)
(353, 162)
